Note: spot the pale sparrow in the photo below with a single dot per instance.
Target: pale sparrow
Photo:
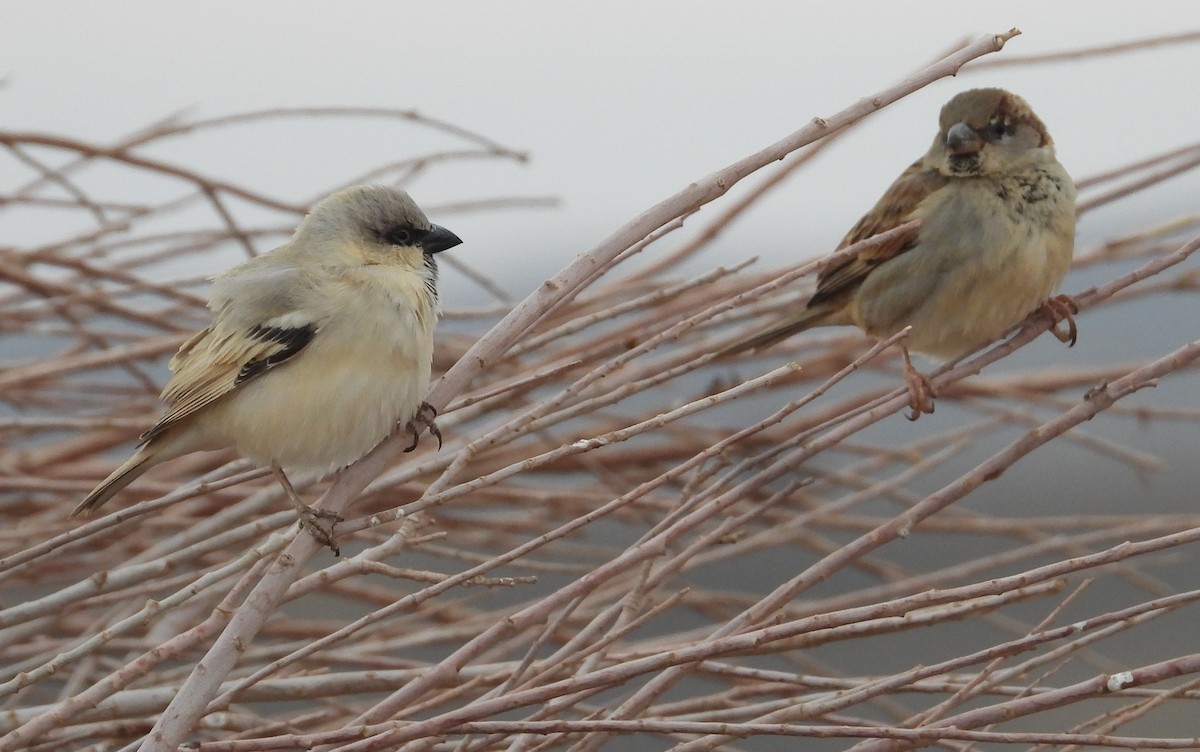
(317, 349)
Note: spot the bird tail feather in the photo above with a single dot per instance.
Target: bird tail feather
(805, 319)
(121, 477)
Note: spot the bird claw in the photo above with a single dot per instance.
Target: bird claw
(1062, 308)
(422, 420)
(920, 394)
(309, 517)
(921, 390)
(312, 521)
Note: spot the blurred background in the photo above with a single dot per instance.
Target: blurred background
(617, 106)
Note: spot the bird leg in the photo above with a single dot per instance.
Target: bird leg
(310, 519)
(1062, 308)
(422, 420)
(920, 389)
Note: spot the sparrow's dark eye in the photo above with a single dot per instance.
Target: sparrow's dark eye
(999, 128)
(400, 236)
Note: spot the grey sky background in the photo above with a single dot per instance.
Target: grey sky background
(619, 103)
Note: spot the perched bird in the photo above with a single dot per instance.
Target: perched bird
(316, 352)
(997, 232)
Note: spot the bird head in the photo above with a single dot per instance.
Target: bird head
(373, 224)
(988, 131)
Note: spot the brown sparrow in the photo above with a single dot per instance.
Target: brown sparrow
(997, 232)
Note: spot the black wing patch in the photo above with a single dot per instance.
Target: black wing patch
(292, 340)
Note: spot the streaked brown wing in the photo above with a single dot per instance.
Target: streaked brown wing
(220, 359)
(894, 208)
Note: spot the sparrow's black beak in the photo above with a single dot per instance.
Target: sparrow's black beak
(438, 239)
(962, 139)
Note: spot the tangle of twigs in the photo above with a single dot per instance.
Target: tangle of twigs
(620, 543)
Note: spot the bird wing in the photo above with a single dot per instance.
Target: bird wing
(258, 326)
(894, 208)
(839, 280)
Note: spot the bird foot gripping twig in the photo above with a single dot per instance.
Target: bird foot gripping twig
(318, 522)
(422, 420)
(1062, 308)
(920, 389)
